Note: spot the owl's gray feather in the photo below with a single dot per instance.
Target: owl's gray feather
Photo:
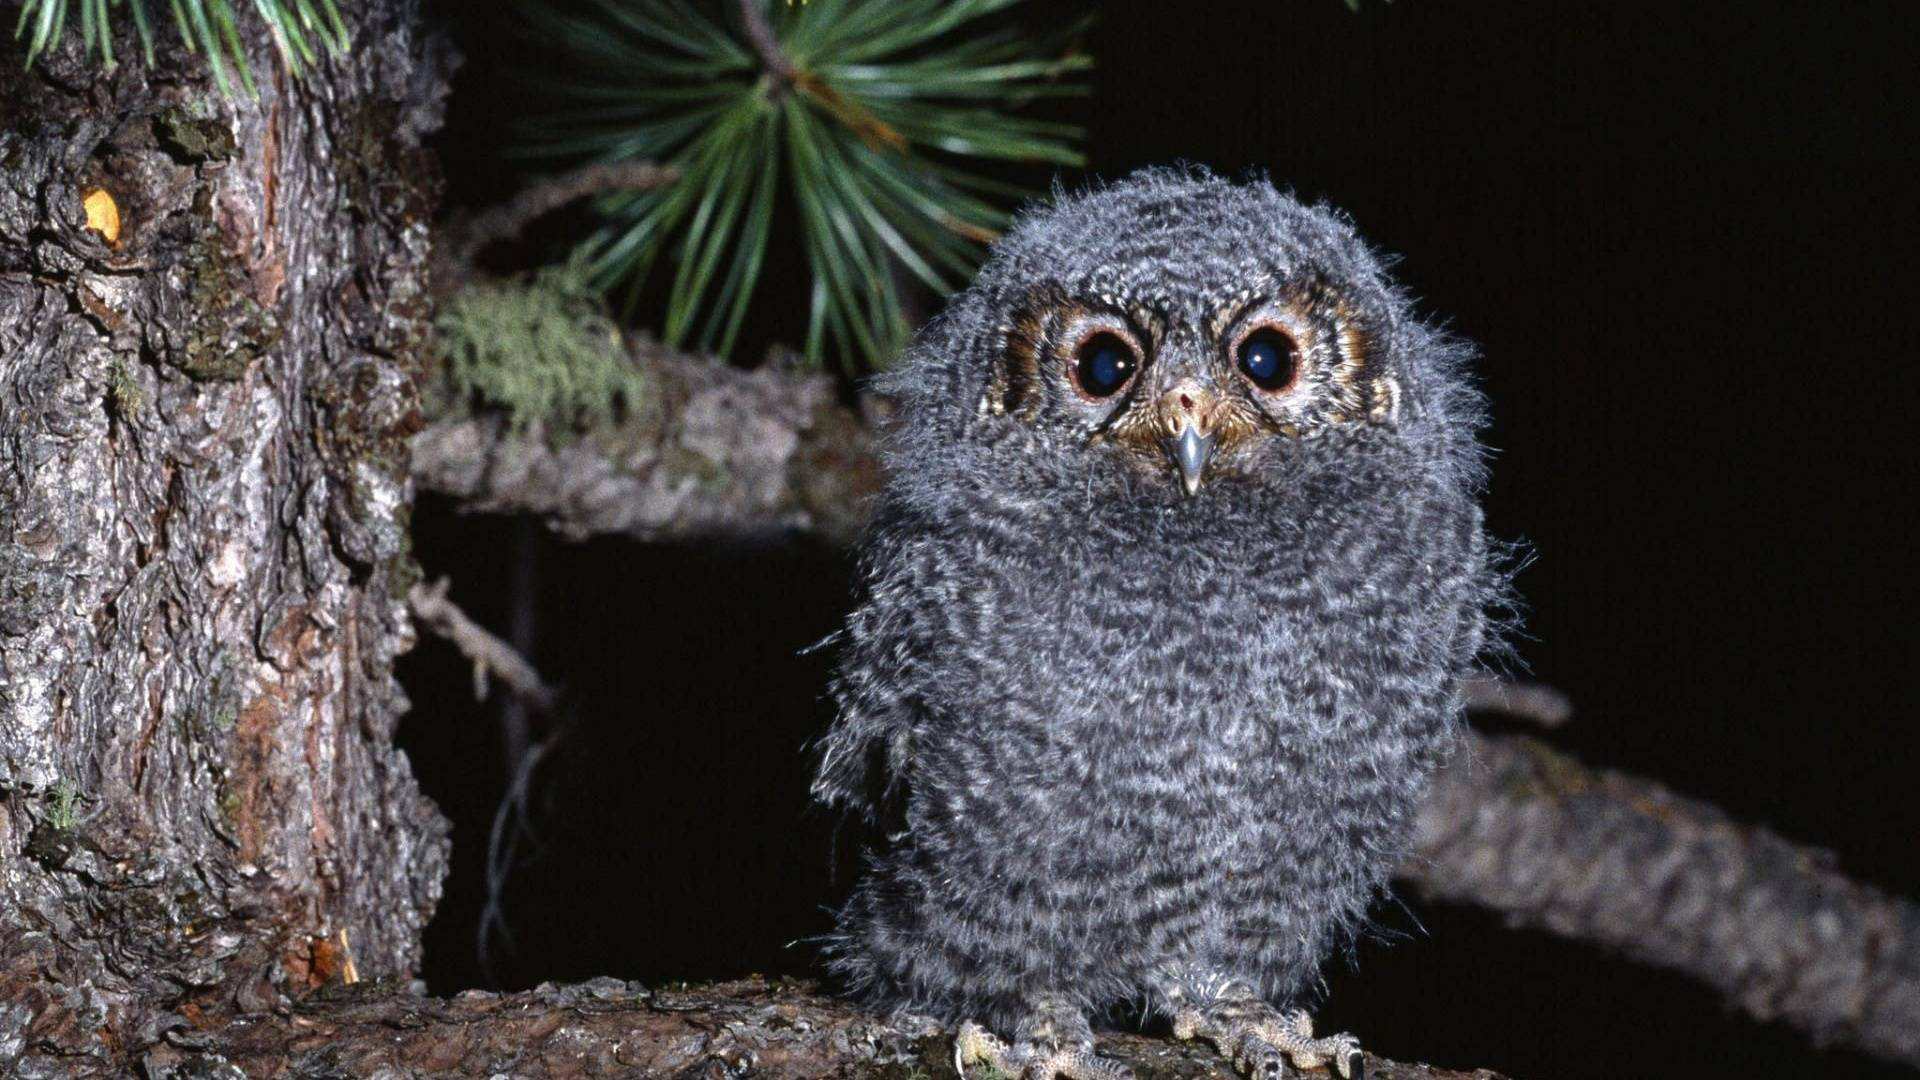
(1130, 742)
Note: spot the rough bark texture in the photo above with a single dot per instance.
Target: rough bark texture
(203, 537)
(607, 1028)
(711, 450)
(1674, 882)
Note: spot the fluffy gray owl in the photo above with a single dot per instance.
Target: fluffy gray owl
(1165, 608)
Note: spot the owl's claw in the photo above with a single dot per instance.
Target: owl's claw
(1261, 1041)
(1032, 1060)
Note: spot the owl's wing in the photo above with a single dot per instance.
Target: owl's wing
(866, 758)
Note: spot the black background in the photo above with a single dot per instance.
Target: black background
(1684, 236)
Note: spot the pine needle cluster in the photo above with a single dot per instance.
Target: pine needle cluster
(866, 119)
(205, 26)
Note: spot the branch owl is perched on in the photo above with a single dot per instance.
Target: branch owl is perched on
(1165, 609)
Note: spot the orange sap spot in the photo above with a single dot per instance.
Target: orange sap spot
(103, 214)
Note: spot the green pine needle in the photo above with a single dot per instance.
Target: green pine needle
(205, 26)
(870, 143)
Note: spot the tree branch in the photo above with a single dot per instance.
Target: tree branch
(1588, 854)
(712, 450)
(608, 1028)
(1674, 882)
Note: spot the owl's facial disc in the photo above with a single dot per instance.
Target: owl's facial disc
(1194, 393)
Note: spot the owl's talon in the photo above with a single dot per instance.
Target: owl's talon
(972, 1044)
(1261, 1041)
(1031, 1060)
(1259, 1058)
(1187, 1022)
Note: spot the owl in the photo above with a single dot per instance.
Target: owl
(1164, 613)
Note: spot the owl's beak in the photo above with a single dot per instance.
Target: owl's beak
(1187, 411)
(1190, 451)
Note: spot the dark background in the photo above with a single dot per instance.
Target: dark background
(1684, 236)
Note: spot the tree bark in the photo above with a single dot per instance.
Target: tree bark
(608, 1028)
(204, 560)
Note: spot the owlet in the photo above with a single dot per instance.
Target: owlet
(1165, 610)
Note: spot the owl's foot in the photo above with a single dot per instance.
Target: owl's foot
(1053, 1041)
(1260, 1039)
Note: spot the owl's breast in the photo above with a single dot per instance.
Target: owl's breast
(1130, 743)
(1244, 658)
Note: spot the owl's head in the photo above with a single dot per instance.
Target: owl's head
(1185, 334)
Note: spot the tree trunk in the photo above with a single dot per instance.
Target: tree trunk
(204, 559)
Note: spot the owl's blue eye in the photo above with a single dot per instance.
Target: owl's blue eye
(1267, 358)
(1103, 365)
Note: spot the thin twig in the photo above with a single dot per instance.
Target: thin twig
(543, 197)
(784, 75)
(489, 654)
(512, 822)
(760, 35)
